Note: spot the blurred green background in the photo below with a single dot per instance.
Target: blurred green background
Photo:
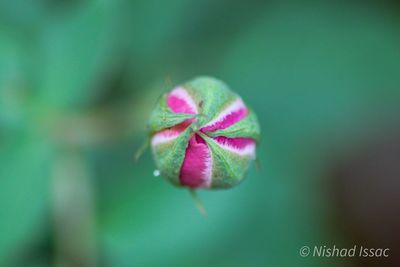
(77, 82)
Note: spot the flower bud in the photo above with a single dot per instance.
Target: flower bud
(203, 135)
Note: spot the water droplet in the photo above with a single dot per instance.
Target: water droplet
(156, 173)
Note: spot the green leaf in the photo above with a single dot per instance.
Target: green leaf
(24, 185)
(73, 54)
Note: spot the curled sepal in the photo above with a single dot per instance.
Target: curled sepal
(231, 158)
(163, 117)
(247, 127)
(211, 96)
(168, 148)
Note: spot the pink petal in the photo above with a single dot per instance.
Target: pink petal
(196, 167)
(230, 115)
(239, 145)
(179, 101)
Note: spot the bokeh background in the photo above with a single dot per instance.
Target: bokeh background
(78, 79)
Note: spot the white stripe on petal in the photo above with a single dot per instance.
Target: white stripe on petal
(249, 150)
(208, 170)
(181, 93)
(162, 137)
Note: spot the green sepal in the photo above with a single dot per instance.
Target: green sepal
(211, 96)
(162, 117)
(169, 156)
(228, 168)
(247, 127)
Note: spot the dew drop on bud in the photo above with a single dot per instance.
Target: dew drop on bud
(156, 173)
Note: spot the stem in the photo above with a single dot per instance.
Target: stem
(198, 202)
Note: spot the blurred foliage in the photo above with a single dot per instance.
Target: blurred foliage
(78, 78)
